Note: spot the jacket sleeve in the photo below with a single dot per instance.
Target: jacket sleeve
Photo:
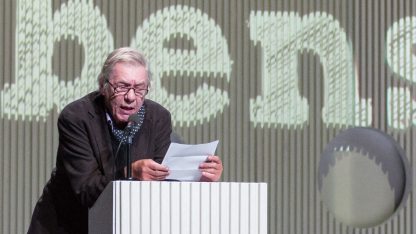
(82, 168)
(163, 130)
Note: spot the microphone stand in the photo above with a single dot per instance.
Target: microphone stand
(133, 120)
(128, 156)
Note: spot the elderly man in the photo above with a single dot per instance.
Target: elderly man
(90, 131)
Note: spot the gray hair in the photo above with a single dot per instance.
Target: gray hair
(122, 55)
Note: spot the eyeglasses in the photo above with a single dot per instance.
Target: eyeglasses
(121, 89)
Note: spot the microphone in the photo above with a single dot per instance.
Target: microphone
(132, 121)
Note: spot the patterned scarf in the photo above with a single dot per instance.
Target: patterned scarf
(121, 135)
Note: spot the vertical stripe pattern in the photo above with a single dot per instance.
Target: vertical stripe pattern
(274, 80)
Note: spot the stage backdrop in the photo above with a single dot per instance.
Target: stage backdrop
(276, 81)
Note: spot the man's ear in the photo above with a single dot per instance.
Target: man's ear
(101, 90)
(101, 87)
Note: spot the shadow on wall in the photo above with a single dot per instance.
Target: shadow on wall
(174, 137)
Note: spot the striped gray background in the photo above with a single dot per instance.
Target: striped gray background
(285, 157)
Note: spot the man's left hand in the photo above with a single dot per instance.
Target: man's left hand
(211, 169)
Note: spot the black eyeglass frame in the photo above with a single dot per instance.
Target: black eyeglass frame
(125, 90)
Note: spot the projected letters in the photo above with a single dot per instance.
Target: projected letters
(280, 102)
(210, 57)
(401, 37)
(36, 90)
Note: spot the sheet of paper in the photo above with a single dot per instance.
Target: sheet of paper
(183, 160)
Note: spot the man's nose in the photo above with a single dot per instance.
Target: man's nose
(130, 95)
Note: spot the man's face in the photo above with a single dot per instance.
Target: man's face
(123, 104)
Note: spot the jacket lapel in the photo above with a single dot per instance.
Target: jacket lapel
(103, 150)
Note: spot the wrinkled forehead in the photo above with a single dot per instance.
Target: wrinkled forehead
(132, 73)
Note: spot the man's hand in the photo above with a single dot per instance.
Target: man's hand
(211, 169)
(147, 169)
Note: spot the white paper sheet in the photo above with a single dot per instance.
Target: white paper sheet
(183, 160)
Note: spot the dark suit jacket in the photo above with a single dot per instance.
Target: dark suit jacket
(85, 162)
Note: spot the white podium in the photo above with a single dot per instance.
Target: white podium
(180, 207)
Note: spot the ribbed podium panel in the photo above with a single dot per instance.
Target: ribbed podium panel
(180, 207)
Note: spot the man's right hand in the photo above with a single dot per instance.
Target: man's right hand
(147, 169)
